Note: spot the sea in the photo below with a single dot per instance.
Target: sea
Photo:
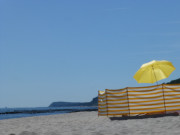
(10, 113)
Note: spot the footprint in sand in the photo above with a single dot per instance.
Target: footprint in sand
(28, 133)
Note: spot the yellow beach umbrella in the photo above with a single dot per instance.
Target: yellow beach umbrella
(154, 71)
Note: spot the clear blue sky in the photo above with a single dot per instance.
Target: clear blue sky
(67, 50)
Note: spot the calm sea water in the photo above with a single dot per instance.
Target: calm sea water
(10, 113)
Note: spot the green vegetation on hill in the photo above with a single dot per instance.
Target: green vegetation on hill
(177, 81)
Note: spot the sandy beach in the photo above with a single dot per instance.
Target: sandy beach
(88, 123)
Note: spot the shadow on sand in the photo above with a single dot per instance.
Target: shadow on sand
(143, 116)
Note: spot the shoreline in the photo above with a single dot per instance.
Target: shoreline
(30, 112)
(50, 110)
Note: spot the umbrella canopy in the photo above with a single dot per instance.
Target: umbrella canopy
(154, 71)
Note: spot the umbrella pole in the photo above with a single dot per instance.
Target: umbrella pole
(154, 75)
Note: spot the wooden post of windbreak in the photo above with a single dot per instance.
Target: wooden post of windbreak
(98, 104)
(106, 103)
(128, 100)
(164, 98)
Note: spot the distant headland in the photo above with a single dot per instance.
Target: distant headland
(93, 102)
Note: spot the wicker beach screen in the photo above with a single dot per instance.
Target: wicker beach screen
(102, 107)
(139, 100)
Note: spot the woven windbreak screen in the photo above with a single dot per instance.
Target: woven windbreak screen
(102, 106)
(172, 97)
(144, 100)
(139, 100)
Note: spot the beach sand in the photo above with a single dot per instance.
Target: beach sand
(88, 123)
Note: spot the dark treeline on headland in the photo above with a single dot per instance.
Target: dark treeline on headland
(93, 102)
(177, 81)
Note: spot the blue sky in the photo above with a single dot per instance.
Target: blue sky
(67, 50)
